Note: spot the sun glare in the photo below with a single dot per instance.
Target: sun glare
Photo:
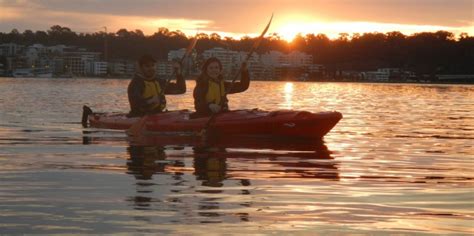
(289, 31)
(288, 88)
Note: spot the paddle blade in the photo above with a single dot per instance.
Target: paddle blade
(257, 42)
(191, 46)
(189, 49)
(86, 111)
(267, 27)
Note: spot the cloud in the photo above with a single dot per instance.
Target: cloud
(449, 12)
(27, 18)
(236, 16)
(8, 13)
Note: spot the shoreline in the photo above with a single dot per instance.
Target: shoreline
(298, 81)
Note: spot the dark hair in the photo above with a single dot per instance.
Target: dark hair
(147, 58)
(208, 62)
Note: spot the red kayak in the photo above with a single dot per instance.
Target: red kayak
(256, 123)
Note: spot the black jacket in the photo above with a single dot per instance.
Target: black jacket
(202, 85)
(137, 86)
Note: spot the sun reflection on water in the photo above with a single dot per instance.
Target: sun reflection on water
(288, 93)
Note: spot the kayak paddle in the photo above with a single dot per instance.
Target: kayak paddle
(189, 49)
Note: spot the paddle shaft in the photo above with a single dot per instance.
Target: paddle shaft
(249, 55)
(189, 49)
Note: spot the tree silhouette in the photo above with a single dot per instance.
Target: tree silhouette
(423, 53)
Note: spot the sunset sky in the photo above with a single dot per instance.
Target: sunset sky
(241, 17)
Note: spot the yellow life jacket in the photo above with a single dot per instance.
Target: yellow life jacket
(215, 92)
(153, 88)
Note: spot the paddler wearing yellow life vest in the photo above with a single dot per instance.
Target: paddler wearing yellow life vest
(146, 93)
(210, 93)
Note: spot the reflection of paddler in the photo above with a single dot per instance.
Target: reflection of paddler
(210, 168)
(143, 161)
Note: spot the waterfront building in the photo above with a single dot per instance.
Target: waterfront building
(123, 68)
(189, 65)
(292, 59)
(294, 65)
(176, 54)
(10, 49)
(96, 68)
(380, 75)
(75, 60)
(164, 68)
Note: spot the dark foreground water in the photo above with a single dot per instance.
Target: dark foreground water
(400, 161)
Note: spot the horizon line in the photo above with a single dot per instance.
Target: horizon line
(240, 36)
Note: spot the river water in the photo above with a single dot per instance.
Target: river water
(401, 161)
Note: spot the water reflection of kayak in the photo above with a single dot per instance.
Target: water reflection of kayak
(217, 142)
(214, 168)
(256, 123)
(211, 142)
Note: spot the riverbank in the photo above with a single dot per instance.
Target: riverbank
(470, 82)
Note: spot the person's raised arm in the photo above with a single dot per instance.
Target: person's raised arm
(242, 85)
(179, 87)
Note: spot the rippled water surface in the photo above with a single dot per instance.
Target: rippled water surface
(400, 161)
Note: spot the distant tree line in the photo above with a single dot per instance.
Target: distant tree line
(426, 52)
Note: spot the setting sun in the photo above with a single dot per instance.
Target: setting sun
(289, 31)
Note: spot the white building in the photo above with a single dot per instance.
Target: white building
(382, 74)
(274, 58)
(76, 61)
(232, 60)
(299, 59)
(316, 69)
(176, 54)
(123, 67)
(58, 49)
(188, 64)
(96, 68)
(255, 66)
(294, 59)
(10, 49)
(278, 65)
(32, 53)
(164, 68)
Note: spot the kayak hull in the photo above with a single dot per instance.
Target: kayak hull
(256, 123)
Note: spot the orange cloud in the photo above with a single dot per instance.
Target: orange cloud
(10, 13)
